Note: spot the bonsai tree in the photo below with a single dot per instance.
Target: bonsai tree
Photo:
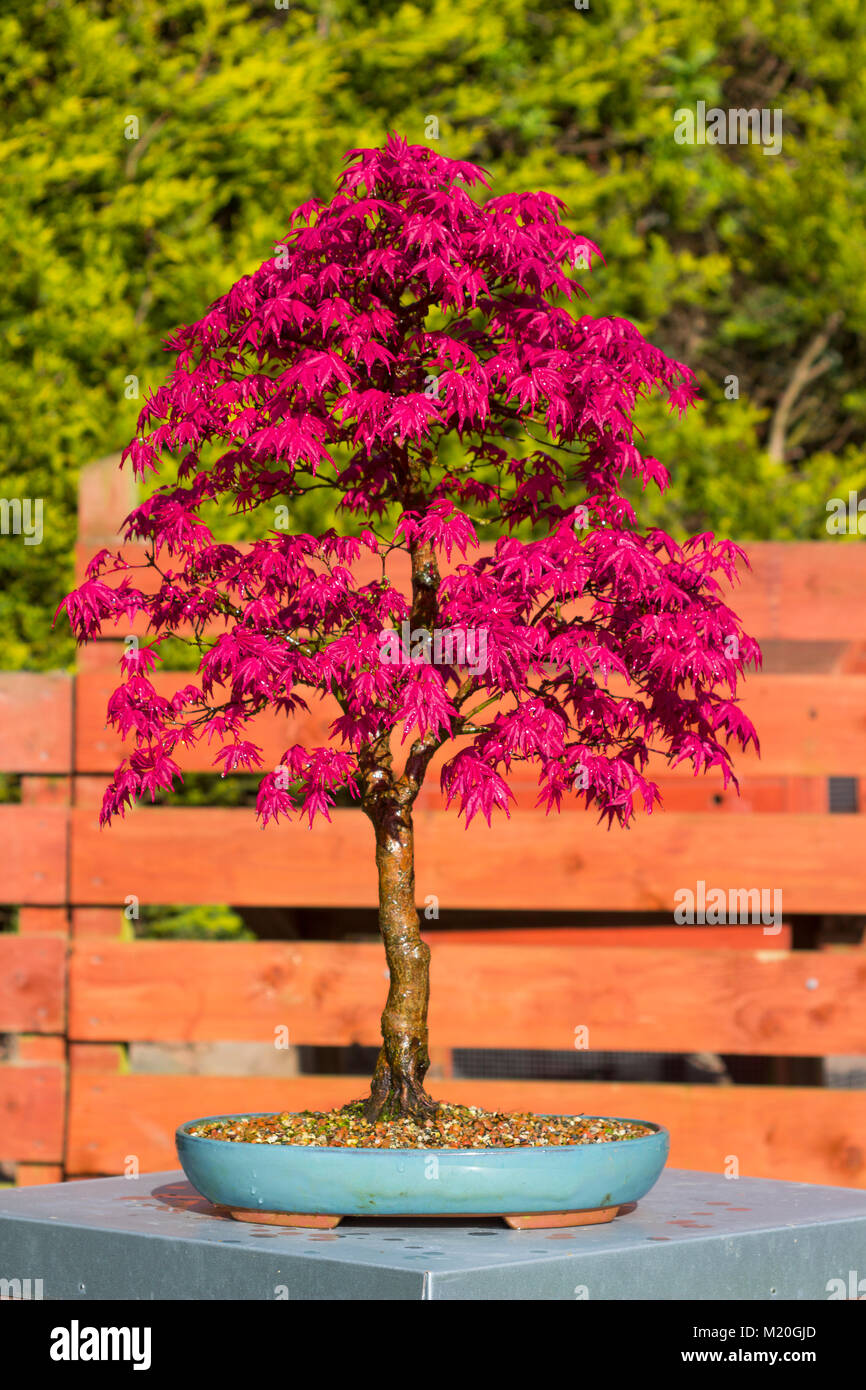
(409, 348)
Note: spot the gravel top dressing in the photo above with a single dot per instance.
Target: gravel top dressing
(452, 1127)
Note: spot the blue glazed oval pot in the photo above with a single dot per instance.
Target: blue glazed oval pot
(420, 1182)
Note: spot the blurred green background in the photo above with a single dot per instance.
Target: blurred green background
(739, 263)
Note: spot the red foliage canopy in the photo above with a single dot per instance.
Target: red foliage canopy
(401, 313)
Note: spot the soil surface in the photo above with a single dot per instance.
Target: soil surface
(452, 1127)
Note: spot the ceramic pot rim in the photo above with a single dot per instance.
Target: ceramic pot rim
(182, 1132)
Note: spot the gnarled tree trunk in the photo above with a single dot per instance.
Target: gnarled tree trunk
(398, 1081)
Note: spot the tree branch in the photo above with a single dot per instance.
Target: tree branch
(806, 369)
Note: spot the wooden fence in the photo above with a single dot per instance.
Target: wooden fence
(74, 993)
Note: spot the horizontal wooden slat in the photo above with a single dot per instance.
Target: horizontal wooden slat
(807, 725)
(573, 862)
(795, 590)
(31, 1113)
(802, 590)
(530, 862)
(35, 722)
(101, 1057)
(688, 938)
(37, 1174)
(145, 578)
(684, 794)
(332, 993)
(679, 792)
(34, 841)
(756, 794)
(107, 492)
(45, 791)
(39, 1048)
(32, 977)
(811, 726)
(98, 922)
(43, 921)
(796, 795)
(99, 748)
(800, 1134)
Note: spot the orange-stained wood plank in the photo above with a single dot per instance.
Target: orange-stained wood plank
(100, 749)
(99, 922)
(802, 590)
(90, 791)
(705, 793)
(529, 862)
(34, 840)
(43, 921)
(32, 1048)
(713, 938)
(800, 1134)
(35, 1174)
(572, 862)
(809, 726)
(756, 794)
(145, 577)
(35, 722)
(102, 656)
(332, 993)
(210, 861)
(31, 1113)
(101, 1057)
(32, 971)
(106, 494)
(796, 591)
(45, 791)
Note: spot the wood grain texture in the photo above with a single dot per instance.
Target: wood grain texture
(802, 1134)
(529, 862)
(703, 794)
(332, 993)
(796, 591)
(106, 494)
(35, 722)
(37, 1174)
(32, 1100)
(689, 938)
(43, 921)
(39, 1048)
(99, 922)
(32, 983)
(809, 726)
(34, 840)
(100, 748)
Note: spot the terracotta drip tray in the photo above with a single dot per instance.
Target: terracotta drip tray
(518, 1221)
